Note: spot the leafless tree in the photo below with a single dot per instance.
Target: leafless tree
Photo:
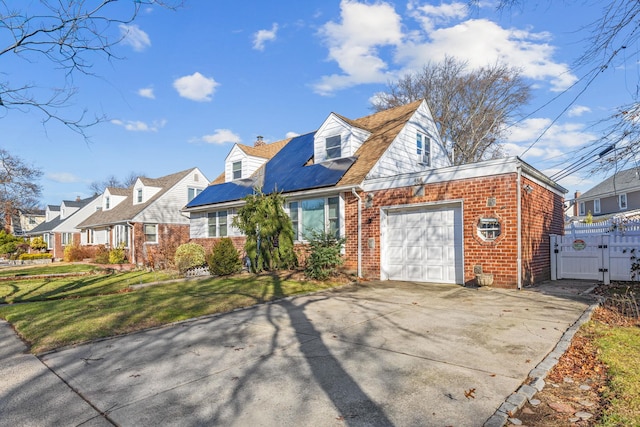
(470, 107)
(97, 187)
(612, 42)
(70, 35)
(19, 189)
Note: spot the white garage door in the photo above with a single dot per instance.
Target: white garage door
(424, 245)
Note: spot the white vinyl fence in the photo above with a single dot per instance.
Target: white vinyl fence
(602, 257)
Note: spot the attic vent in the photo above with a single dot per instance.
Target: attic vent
(491, 202)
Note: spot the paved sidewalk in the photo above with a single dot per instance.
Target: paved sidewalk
(32, 395)
(386, 353)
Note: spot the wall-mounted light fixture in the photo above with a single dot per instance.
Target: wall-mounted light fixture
(528, 188)
(368, 201)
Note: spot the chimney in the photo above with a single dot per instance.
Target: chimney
(78, 198)
(576, 196)
(259, 142)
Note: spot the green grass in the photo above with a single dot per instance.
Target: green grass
(619, 349)
(46, 269)
(29, 290)
(51, 324)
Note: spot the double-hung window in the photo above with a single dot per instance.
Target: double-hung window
(333, 147)
(67, 239)
(139, 196)
(622, 201)
(423, 149)
(192, 193)
(217, 224)
(151, 233)
(583, 210)
(107, 203)
(596, 206)
(236, 169)
(315, 216)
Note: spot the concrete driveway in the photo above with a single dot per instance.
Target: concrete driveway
(383, 353)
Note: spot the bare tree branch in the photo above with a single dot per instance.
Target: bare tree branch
(70, 35)
(471, 107)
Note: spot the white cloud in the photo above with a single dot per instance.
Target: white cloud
(371, 44)
(146, 92)
(263, 36)
(354, 44)
(578, 110)
(291, 134)
(138, 126)
(221, 136)
(133, 36)
(558, 142)
(196, 87)
(63, 177)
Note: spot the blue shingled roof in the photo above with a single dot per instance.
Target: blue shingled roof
(285, 172)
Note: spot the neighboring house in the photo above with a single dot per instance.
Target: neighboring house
(25, 220)
(59, 230)
(385, 183)
(619, 193)
(146, 218)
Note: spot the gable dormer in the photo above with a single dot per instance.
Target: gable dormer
(112, 197)
(142, 191)
(66, 210)
(51, 212)
(337, 138)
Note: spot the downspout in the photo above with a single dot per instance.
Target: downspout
(353, 191)
(519, 225)
(133, 243)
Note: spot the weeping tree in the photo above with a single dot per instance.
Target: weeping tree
(268, 230)
(471, 107)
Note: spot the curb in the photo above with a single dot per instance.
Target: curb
(535, 381)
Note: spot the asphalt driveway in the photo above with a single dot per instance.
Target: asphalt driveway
(383, 353)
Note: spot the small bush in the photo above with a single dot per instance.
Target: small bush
(38, 243)
(27, 257)
(224, 258)
(101, 255)
(189, 255)
(117, 255)
(324, 255)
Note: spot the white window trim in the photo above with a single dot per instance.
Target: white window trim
(300, 231)
(234, 170)
(123, 230)
(147, 242)
(622, 197)
(424, 149)
(339, 147)
(596, 206)
(582, 209)
(216, 215)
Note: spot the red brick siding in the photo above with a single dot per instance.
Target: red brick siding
(498, 257)
(161, 254)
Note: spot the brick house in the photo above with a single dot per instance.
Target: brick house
(385, 183)
(145, 218)
(60, 226)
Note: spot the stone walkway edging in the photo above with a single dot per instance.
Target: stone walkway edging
(537, 375)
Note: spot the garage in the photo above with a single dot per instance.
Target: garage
(423, 244)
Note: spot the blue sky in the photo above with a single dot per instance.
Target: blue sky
(194, 81)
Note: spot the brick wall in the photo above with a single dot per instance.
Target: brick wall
(542, 214)
(161, 254)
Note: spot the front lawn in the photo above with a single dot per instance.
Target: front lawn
(48, 288)
(52, 268)
(620, 351)
(56, 323)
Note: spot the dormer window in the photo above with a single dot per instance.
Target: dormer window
(107, 203)
(237, 170)
(423, 149)
(333, 146)
(139, 195)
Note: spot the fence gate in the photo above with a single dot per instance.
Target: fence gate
(593, 257)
